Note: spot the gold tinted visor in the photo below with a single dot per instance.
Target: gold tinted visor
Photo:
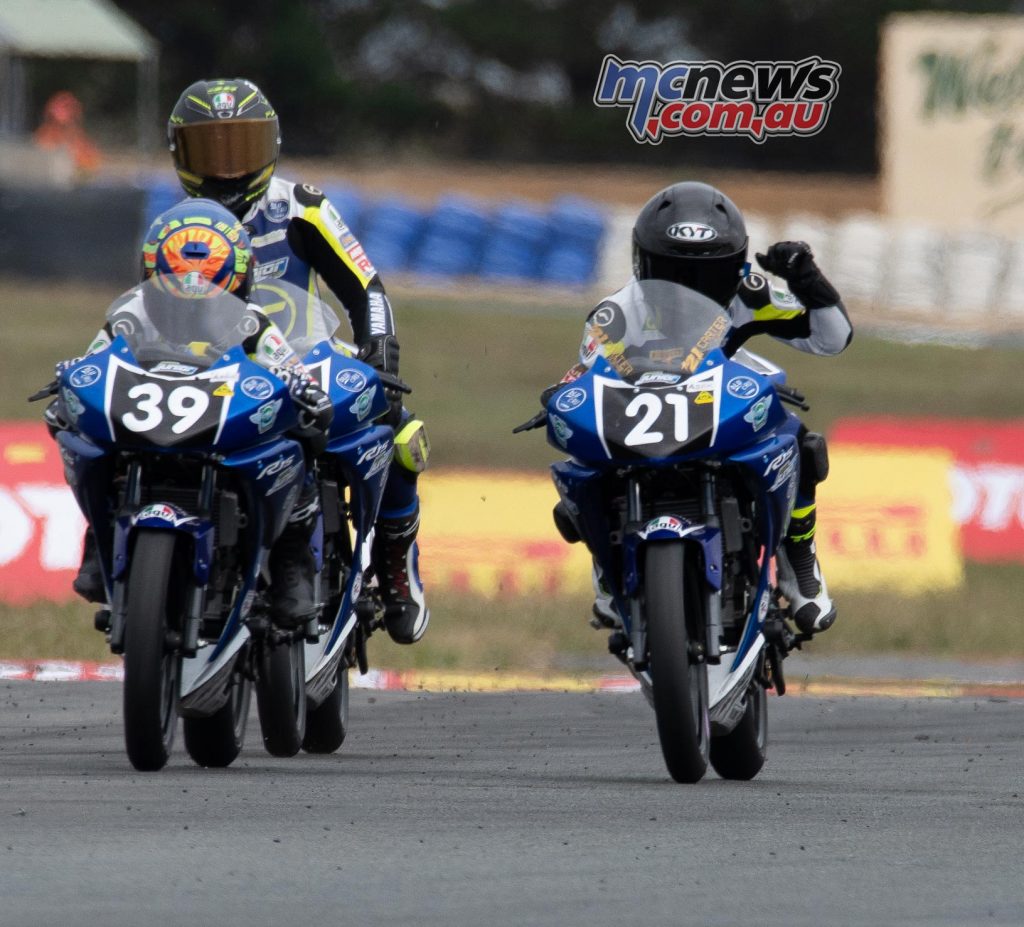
(225, 150)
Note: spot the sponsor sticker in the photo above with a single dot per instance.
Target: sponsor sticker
(86, 376)
(164, 512)
(703, 398)
(277, 210)
(571, 399)
(604, 316)
(658, 378)
(257, 388)
(174, 367)
(742, 387)
(271, 269)
(758, 413)
(265, 416)
(361, 407)
(562, 431)
(225, 389)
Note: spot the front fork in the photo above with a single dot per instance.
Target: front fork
(712, 601)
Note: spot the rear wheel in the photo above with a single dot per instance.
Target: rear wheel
(281, 695)
(679, 682)
(217, 740)
(152, 670)
(327, 724)
(741, 753)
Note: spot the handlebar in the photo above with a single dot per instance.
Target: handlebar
(538, 421)
(793, 396)
(50, 389)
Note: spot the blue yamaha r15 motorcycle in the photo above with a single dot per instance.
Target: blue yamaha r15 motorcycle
(351, 474)
(681, 481)
(178, 455)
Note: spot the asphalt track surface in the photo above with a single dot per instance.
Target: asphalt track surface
(517, 809)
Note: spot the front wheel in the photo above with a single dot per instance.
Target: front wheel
(216, 741)
(327, 724)
(741, 753)
(281, 695)
(152, 670)
(679, 681)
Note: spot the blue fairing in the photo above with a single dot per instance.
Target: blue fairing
(724, 412)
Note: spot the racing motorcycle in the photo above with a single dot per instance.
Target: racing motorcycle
(181, 453)
(681, 478)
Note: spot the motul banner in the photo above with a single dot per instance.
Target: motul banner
(41, 526)
(986, 477)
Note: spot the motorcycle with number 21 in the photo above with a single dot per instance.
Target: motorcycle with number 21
(681, 478)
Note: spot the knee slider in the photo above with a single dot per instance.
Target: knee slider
(412, 447)
(813, 458)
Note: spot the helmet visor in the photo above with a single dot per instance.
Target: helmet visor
(718, 277)
(226, 149)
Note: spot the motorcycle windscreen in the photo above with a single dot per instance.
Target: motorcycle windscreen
(305, 320)
(175, 320)
(668, 398)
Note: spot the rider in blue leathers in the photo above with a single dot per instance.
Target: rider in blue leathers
(225, 140)
(693, 234)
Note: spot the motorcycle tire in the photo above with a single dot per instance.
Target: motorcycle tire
(679, 682)
(216, 741)
(327, 724)
(152, 670)
(281, 695)
(741, 753)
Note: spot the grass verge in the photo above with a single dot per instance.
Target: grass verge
(551, 634)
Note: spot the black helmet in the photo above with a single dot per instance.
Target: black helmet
(225, 140)
(692, 234)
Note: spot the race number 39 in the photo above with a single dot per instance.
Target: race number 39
(185, 403)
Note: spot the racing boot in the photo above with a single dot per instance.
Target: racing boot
(799, 575)
(293, 567)
(396, 563)
(89, 581)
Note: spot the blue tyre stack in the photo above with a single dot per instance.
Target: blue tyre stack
(515, 246)
(453, 240)
(390, 233)
(577, 230)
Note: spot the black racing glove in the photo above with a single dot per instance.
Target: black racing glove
(794, 262)
(315, 410)
(381, 353)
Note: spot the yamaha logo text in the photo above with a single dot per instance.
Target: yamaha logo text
(756, 99)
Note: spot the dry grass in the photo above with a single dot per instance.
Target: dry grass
(552, 634)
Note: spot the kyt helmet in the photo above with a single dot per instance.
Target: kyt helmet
(692, 234)
(197, 250)
(225, 139)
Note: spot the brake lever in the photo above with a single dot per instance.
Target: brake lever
(50, 389)
(793, 396)
(538, 421)
(393, 382)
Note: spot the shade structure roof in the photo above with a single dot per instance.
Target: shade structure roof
(72, 29)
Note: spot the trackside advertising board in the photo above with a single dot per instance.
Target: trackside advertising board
(885, 516)
(985, 477)
(953, 120)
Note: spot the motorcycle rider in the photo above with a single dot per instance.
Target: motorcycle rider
(193, 252)
(693, 234)
(225, 140)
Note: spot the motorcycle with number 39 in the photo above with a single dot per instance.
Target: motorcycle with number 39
(681, 478)
(186, 458)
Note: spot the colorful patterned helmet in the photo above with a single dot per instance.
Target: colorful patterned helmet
(225, 139)
(197, 250)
